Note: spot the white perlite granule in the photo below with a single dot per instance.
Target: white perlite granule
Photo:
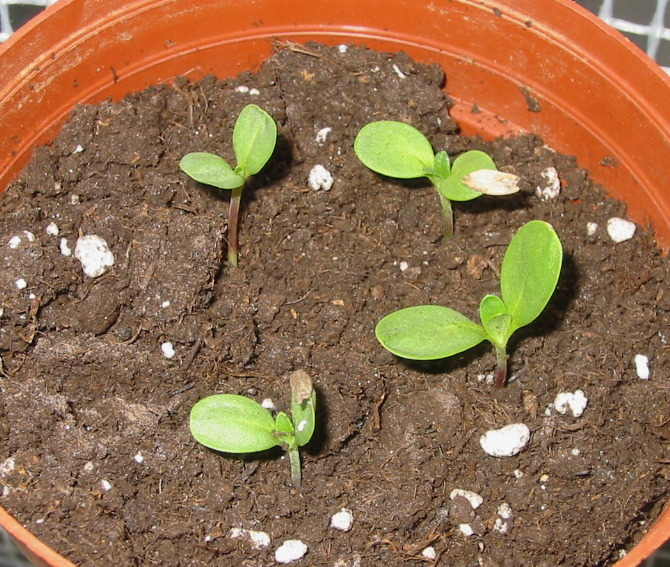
(500, 526)
(642, 366)
(575, 402)
(342, 520)
(7, 466)
(168, 350)
(466, 529)
(268, 404)
(620, 230)
(247, 90)
(399, 72)
(429, 553)
(320, 179)
(473, 498)
(289, 551)
(14, 242)
(505, 511)
(552, 187)
(322, 135)
(65, 249)
(506, 441)
(94, 254)
(257, 539)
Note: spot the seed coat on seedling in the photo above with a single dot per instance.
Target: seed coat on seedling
(396, 149)
(236, 424)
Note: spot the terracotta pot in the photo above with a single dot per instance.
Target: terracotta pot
(544, 66)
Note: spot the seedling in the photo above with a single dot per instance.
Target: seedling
(237, 424)
(399, 150)
(254, 139)
(528, 278)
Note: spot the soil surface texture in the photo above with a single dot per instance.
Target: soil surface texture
(100, 372)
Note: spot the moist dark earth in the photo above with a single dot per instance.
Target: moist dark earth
(96, 454)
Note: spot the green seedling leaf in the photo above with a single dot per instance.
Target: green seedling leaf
(428, 332)
(530, 271)
(528, 278)
(284, 428)
(394, 149)
(490, 308)
(303, 403)
(441, 165)
(232, 424)
(496, 320)
(453, 187)
(400, 150)
(236, 424)
(211, 170)
(254, 139)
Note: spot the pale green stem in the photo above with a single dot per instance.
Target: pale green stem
(294, 459)
(500, 376)
(233, 216)
(448, 216)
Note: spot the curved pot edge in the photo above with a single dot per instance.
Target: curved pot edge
(37, 552)
(656, 537)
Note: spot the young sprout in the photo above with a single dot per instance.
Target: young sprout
(399, 150)
(237, 424)
(528, 277)
(254, 139)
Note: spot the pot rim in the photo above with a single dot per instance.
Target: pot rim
(38, 62)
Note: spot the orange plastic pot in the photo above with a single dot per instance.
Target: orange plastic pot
(543, 66)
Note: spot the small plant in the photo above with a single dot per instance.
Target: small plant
(399, 150)
(528, 278)
(237, 424)
(254, 139)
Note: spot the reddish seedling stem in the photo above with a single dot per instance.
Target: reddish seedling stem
(233, 216)
(500, 376)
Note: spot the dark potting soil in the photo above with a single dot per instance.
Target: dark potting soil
(97, 458)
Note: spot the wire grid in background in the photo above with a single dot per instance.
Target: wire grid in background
(645, 22)
(15, 13)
